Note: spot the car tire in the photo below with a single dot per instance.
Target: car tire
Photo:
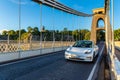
(93, 57)
(66, 60)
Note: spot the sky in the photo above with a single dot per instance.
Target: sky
(51, 18)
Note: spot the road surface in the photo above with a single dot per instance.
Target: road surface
(117, 53)
(47, 67)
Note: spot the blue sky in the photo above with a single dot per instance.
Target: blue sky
(30, 14)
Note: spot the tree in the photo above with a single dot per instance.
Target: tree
(48, 35)
(36, 31)
(100, 35)
(65, 31)
(25, 37)
(75, 33)
(43, 28)
(117, 35)
(83, 33)
(57, 35)
(11, 32)
(4, 32)
(30, 29)
(87, 36)
(22, 31)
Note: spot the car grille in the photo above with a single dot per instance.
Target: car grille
(76, 59)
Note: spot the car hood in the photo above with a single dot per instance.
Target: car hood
(78, 50)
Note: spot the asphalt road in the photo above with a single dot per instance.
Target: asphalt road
(46, 67)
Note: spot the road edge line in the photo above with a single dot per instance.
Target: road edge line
(93, 69)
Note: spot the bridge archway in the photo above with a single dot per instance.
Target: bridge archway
(98, 18)
(100, 35)
(100, 23)
(100, 31)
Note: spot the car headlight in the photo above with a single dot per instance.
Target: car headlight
(88, 51)
(68, 53)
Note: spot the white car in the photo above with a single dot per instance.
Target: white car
(83, 50)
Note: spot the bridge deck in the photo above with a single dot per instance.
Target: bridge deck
(46, 67)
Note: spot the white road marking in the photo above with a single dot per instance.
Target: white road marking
(93, 69)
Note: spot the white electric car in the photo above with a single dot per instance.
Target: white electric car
(83, 50)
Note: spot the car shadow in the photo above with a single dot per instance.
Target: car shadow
(79, 62)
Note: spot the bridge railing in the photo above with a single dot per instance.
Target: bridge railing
(117, 61)
(13, 46)
(10, 56)
(113, 62)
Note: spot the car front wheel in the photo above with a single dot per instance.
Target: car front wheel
(93, 57)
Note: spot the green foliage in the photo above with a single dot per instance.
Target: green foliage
(5, 32)
(11, 32)
(117, 35)
(87, 35)
(75, 33)
(65, 31)
(30, 29)
(24, 36)
(100, 35)
(22, 31)
(64, 35)
(47, 35)
(36, 31)
(83, 33)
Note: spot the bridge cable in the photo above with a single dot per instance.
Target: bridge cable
(59, 6)
(73, 28)
(53, 43)
(41, 27)
(61, 26)
(19, 26)
(68, 28)
(78, 28)
(81, 33)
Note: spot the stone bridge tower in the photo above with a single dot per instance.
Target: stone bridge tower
(99, 14)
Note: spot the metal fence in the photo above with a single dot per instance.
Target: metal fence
(13, 46)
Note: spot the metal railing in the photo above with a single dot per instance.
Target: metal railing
(14, 46)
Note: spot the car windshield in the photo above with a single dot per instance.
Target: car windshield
(83, 44)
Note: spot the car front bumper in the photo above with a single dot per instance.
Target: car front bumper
(87, 58)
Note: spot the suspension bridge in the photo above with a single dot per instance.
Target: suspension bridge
(40, 55)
